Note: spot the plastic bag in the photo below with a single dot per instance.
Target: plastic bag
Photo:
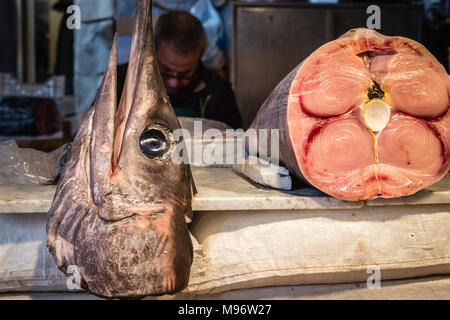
(226, 13)
(213, 58)
(28, 166)
(218, 3)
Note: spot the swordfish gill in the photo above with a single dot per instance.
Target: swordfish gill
(364, 116)
(120, 209)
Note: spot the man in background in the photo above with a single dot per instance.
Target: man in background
(193, 90)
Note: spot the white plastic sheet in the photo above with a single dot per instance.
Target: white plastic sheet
(27, 166)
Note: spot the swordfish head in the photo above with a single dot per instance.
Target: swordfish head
(119, 214)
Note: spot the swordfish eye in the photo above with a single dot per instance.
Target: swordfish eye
(154, 143)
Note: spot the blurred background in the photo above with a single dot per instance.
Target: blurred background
(53, 71)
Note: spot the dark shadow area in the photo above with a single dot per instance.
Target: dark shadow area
(8, 37)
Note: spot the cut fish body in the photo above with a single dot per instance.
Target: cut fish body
(364, 116)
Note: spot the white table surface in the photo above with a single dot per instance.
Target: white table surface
(222, 189)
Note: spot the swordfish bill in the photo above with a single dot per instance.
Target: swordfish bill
(120, 209)
(364, 116)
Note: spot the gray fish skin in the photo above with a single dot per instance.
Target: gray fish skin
(120, 215)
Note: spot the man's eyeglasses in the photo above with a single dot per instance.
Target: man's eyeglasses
(166, 73)
(179, 77)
